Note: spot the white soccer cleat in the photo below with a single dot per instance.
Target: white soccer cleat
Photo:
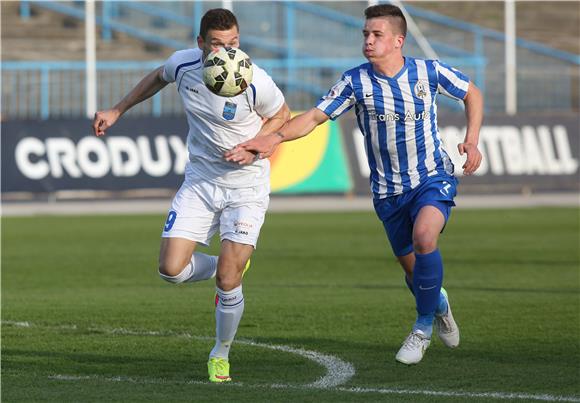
(447, 329)
(413, 348)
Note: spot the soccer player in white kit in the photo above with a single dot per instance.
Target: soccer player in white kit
(216, 194)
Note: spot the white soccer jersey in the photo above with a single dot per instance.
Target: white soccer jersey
(398, 118)
(217, 124)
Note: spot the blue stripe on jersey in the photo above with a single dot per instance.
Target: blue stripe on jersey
(450, 88)
(433, 84)
(253, 93)
(339, 100)
(382, 134)
(400, 139)
(185, 65)
(419, 124)
(364, 126)
(448, 85)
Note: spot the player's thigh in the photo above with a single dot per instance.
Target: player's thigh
(429, 223)
(397, 222)
(242, 219)
(191, 220)
(174, 255)
(431, 210)
(194, 212)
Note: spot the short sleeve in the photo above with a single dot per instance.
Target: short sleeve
(182, 60)
(169, 68)
(450, 81)
(267, 97)
(339, 99)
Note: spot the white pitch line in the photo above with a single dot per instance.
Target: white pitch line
(471, 395)
(335, 371)
(484, 395)
(338, 371)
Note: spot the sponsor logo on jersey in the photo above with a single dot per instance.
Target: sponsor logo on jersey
(395, 117)
(229, 110)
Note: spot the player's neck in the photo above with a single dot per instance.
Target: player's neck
(389, 67)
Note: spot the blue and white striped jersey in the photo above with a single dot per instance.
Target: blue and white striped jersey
(398, 118)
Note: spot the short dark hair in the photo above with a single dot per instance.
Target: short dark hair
(394, 13)
(219, 19)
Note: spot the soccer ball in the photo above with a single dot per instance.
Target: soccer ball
(227, 72)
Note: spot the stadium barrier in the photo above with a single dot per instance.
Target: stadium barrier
(146, 157)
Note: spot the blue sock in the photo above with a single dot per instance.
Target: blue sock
(442, 306)
(427, 279)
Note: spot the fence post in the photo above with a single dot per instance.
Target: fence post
(197, 11)
(480, 68)
(106, 13)
(290, 50)
(156, 105)
(45, 93)
(24, 10)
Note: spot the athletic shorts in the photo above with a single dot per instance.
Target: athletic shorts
(398, 213)
(199, 208)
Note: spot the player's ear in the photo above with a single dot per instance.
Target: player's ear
(200, 42)
(399, 41)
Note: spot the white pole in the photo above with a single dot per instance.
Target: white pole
(416, 32)
(228, 4)
(90, 58)
(372, 2)
(511, 89)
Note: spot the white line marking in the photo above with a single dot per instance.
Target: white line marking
(336, 370)
(492, 395)
(484, 395)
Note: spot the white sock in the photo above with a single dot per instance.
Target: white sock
(228, 313)
(201, 267)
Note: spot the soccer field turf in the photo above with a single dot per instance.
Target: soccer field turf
(85, 316)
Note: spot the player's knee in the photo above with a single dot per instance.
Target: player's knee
(424, 241)
(227, 281)
(170, 270)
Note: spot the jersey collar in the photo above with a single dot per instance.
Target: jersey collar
(396, 76)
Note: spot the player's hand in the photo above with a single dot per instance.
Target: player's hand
(241, 156)
(473, 157)
(261, 147)
(103, 120)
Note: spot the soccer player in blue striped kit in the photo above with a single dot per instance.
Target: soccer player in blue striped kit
(411, 174)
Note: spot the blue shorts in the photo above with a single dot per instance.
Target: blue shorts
(398, 213)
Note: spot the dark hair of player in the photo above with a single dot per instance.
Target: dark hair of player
(218, 19)
(393, 13)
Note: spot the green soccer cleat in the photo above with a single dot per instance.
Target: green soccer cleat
(216, 298)
(218, 370)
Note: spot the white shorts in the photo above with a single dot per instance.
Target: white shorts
(199, 207)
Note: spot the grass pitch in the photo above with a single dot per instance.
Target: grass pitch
(86, 318)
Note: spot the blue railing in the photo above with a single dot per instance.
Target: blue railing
(288, 54)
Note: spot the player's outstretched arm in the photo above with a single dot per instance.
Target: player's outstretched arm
(271, 125)
(474, 113)
(146, 88)
(297, 127)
